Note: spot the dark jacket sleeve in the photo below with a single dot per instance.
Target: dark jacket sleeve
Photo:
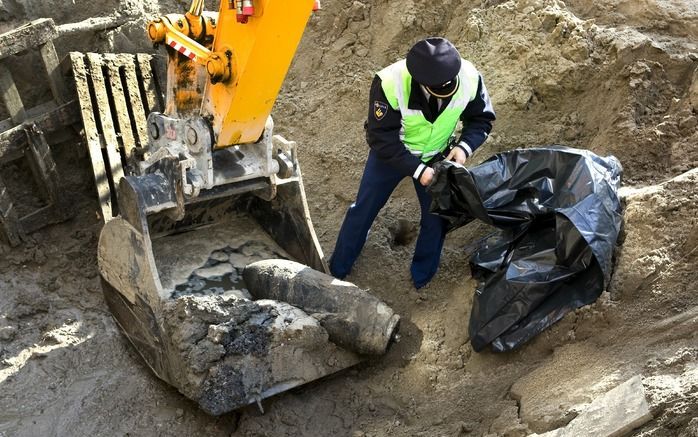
(383, 132)
(477, 118)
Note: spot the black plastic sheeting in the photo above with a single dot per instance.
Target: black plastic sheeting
(559, 217)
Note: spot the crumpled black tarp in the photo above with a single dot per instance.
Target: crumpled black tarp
(559, 217)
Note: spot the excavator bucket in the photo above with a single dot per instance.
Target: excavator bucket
(223, 294)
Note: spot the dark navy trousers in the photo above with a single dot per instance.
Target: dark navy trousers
(377, 184)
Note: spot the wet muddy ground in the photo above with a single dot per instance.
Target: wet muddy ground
(616, 77)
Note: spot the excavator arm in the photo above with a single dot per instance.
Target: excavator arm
(224, 73)
(243, 57)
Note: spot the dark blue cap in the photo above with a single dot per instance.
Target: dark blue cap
(433, 61)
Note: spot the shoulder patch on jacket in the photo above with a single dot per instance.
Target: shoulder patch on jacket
(379, 109)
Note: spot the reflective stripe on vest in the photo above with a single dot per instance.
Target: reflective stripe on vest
(422, 138)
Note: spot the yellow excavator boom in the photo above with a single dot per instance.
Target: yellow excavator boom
(262, 50)
(245, 64)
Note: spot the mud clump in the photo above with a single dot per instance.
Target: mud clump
(215, 338)
(231, 352)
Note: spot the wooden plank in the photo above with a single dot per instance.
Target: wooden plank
(10, 227)
(39, 153)
(26, 37)
(92, 135)
(6, 124)
(41, 109)
(93, 25)
(148, 79)
(10, 95)
(111, 143)
(55, 78)
(12, 144)
(46, 175)
(117, 89)
(13, 141)
(137, 104)
(31, 113)
(40, 218)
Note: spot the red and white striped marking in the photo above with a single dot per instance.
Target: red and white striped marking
(180, 48)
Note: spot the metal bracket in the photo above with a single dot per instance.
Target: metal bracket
(192, 140)
(189, 139)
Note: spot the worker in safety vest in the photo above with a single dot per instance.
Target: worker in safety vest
(414, 108)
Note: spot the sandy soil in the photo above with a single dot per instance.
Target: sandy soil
(615, 76)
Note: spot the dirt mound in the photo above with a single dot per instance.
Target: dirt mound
(614, 76)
